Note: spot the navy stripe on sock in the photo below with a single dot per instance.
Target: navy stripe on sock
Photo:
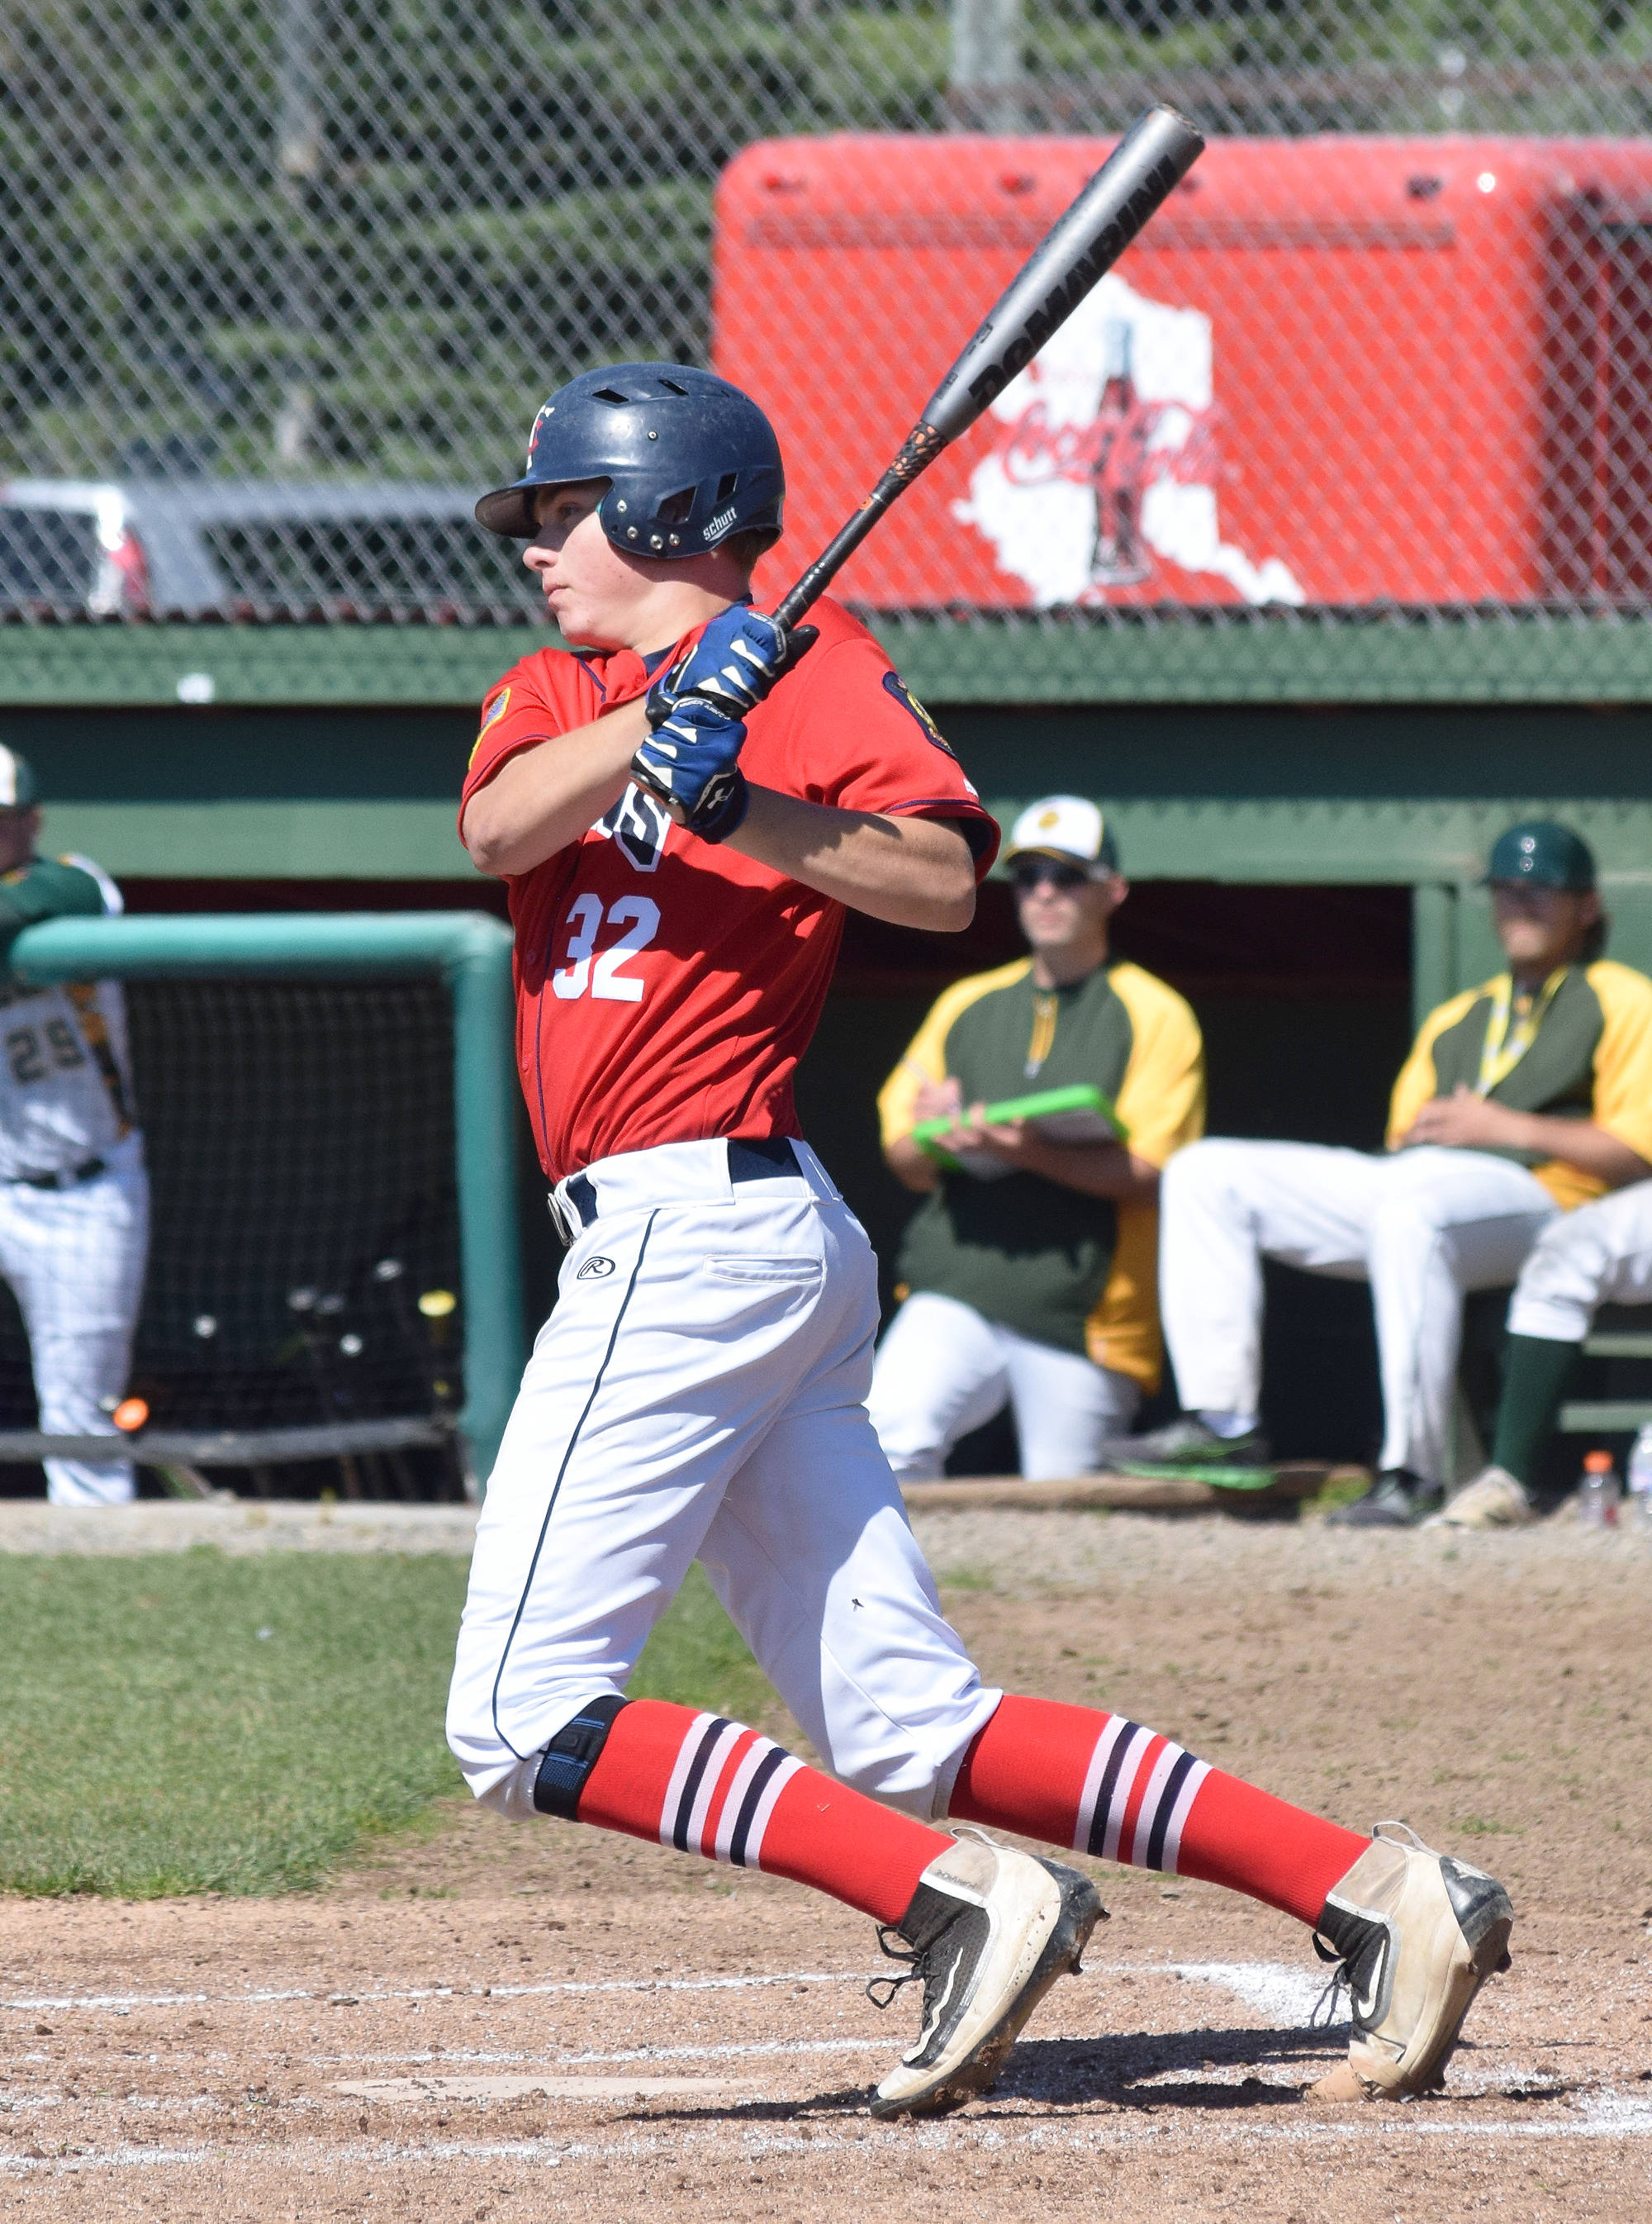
(685, 1805)
(1109, 1778)
(1167, 1799)
(765, 1769)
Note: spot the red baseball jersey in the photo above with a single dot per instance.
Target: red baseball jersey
(666, 987)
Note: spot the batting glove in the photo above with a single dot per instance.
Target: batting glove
(733, 663)
(691, 762)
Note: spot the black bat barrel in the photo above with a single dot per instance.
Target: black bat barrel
(1149, 162)
(1146, 165)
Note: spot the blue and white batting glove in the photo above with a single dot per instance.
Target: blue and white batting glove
(733, 663)
(691, 762)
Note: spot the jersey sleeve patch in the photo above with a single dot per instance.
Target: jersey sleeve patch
(895, 685)
(494, 711)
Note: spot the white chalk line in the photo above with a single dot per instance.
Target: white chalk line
(66, 2003)
(1609, 2114)
(739, 2051)
(1266, 1981)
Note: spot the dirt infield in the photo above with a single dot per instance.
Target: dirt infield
(488, 2023)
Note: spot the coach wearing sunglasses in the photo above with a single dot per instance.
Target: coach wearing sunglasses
(1027, 1276)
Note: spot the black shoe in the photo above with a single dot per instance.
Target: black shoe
(1398, 1499)
(988, 1931)
(1184, 1443)
(1414, 1935)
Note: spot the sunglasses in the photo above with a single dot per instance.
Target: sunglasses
(1028, 873)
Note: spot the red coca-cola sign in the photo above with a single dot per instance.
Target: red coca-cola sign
(1335, 371)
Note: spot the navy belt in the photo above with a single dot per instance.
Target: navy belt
(766, 1158)
(66, 1177)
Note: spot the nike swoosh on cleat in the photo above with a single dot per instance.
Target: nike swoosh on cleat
(934, 2023)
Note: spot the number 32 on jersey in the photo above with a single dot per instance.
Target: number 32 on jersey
(599, 971)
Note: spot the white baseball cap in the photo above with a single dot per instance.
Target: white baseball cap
(17, 789)
(1067, 827)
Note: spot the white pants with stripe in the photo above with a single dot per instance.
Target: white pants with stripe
(942, 1370)
(1599, 1254)
(699, 1393)
(75, 1261)
(1421, 1226)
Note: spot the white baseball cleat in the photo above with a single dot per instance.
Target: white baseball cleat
(1415, 1935)
(988, 1931)
(1495, 1500)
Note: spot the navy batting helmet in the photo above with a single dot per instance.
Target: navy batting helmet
(689, 459)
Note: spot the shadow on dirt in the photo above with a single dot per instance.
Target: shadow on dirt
(1116, 2066)
(1066, 2072)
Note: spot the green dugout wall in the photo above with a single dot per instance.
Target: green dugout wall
(1367, 755)
(1338, 780)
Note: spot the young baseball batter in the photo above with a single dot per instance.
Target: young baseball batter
(74, 1196)
(682, 817)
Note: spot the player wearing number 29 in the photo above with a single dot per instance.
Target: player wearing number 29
(74, 1198)
(682, 808)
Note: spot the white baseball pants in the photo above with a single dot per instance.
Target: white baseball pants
(1421, 1226)
(75, 1259)
(699, 1393)
(1599, 1254)
(943, 1371)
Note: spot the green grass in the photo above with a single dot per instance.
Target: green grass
(697, 1657)
(187, 1723)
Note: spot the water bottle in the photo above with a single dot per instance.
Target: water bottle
(1598, 1492)
(1640, 1481)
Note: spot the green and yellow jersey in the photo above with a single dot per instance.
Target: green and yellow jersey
(1080, 1273)
(1579, 1048)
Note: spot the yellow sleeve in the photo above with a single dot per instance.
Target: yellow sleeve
(1622, 1103)
(1416, 1082)
(1161, 1097)
(924, 1058)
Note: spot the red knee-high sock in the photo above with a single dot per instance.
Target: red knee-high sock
(1108, 1786)
(713, 1787)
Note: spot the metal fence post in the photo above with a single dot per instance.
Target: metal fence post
(479, 977)
(986, 85)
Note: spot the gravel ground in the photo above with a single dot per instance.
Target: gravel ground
(1006, 1549)
(250, 1525)
(481, 2022)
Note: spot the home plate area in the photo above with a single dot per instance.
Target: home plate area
(638, 2044)
(478, 2023)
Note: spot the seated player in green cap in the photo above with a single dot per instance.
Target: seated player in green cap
(1523, 1099)
(1028, 1273)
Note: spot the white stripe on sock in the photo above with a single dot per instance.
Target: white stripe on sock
(751, 1760)
(1147, 1814)
(772, 1791)
(1189, 1792)
(685, 1753)
(1133, 1760)
(716, 1761)
(1116, 1725)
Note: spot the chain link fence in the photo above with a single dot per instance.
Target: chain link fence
(283, 285)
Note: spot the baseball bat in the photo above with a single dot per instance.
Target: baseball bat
(1146, 165)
